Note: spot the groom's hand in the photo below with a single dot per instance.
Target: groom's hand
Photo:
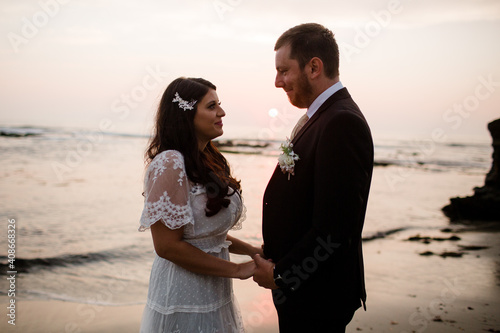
(263, 274)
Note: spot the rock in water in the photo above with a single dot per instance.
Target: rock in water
(485, 203)
(493, 177)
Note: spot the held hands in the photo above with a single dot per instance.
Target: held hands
(264, 275)
(260, 268)
(257, 250)
(246, 270)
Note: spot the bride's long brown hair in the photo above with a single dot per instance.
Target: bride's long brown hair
(174, 130)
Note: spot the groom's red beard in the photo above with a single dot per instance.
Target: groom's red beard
(302, 93)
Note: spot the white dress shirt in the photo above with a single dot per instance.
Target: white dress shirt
(311, 110)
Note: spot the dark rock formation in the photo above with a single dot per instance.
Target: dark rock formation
(484, 205)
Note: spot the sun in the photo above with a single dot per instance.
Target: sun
(273, 112)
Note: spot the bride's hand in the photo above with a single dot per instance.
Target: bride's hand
(258, 250)
(246, 270)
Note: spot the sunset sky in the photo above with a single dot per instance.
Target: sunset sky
(414, 67)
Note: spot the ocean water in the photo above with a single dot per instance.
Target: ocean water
(75, 196)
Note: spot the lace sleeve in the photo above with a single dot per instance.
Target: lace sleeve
(166, 192)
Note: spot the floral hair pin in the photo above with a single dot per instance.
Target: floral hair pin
(184, 105)
(287, 158)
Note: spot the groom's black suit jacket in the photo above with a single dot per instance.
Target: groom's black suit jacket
(312, 222)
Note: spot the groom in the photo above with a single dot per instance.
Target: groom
(313, 218)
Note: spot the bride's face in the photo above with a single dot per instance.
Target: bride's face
(208, 118)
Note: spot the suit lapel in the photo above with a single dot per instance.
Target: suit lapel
(341, 94)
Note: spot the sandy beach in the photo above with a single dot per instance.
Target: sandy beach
(407, 292)
(410, 292)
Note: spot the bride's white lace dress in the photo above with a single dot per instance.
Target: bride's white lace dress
(180, 301)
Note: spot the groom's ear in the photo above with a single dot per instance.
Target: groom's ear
(315, 68)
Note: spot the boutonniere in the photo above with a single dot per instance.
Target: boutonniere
(287, 158)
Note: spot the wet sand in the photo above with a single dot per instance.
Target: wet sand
(407, 292)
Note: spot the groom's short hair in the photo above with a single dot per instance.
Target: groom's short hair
(311, 40)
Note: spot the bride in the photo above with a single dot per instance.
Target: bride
(191, 202)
